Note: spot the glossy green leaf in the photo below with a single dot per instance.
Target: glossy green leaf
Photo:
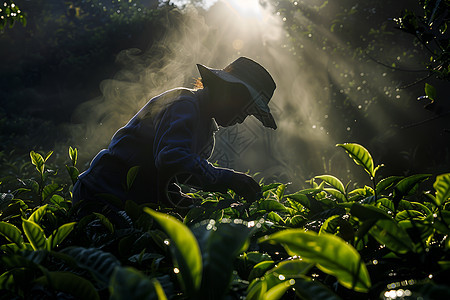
(70, 283)
(291, 268)
(73, 155)
(38, 161)
(160, 294)
(37, 215)
(430, 91)
(297, 221)
(442, 187)
(35, 234)
(390, 234)
(269, 187)
(105, 221)
(60, 234)
(98, 263)
(131, 176)
(187, 250)
(337, 194)
(385, 204)
(408, 185)
(333, 181)
(368, 212)
(360, 156)
(256, 289)
(271, 205)
(408, 214)
(330, 225)
(279, 290)
(280, 191)
(386, 183)
(49, 190)
(73, 173)
(220, 244)
(260, 268)
(331, 254)
(284, 271)
(11, 233)
(274, 217)
(300, 198)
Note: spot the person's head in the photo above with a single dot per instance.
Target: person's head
(242, 88)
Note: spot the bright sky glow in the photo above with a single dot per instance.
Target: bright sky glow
(246, 8)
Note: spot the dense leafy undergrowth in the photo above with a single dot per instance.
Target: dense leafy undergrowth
(385, 241)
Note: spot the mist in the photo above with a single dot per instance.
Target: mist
(307, 82)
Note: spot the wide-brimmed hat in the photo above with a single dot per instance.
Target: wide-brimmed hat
(254, 77)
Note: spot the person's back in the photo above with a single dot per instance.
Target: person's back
(174, 133)
(145, 142)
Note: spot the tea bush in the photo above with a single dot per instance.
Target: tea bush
(385, 241)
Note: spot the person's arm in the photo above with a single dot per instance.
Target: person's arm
(173, 154)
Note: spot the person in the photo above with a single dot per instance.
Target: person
(174, 134)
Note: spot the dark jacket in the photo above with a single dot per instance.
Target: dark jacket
(171, 134)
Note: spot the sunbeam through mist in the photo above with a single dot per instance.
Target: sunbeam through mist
(309, 93)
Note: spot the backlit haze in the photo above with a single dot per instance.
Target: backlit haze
(308, 129)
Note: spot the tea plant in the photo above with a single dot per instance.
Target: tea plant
(384, 241)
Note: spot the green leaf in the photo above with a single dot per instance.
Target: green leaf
(409, 214)
(385, 204)
(442, 187)
(333, 181)
(331, 254)
(390, 234)
(360, 156)
(308, 289)
(38, 161)
(99, 263)
(280, 191)
(73, 173)
(260, 268)
(159, 290)
(37, 215)
(73, 155)
(430, 91)
(105, 221)
(408, 185)
(11, 233)
(386, 183)
(271, 205)
(368, 212)
(35, 235)
(60, 234)
(187, 250)
(69, 283)
(279, 290)
(274, 217)
(269, 187)
(337, 194)
(220, 244)
(297, 221)
(129, 283)
(330, 225)
(131, 176)
(47, 156)
(300, 198)
(49, 190)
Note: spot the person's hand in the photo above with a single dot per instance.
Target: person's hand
(245, 186)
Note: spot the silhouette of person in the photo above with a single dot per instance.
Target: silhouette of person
(174, 133)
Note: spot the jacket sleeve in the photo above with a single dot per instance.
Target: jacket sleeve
(173, 146)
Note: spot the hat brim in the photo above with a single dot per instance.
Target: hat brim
(262, 112)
